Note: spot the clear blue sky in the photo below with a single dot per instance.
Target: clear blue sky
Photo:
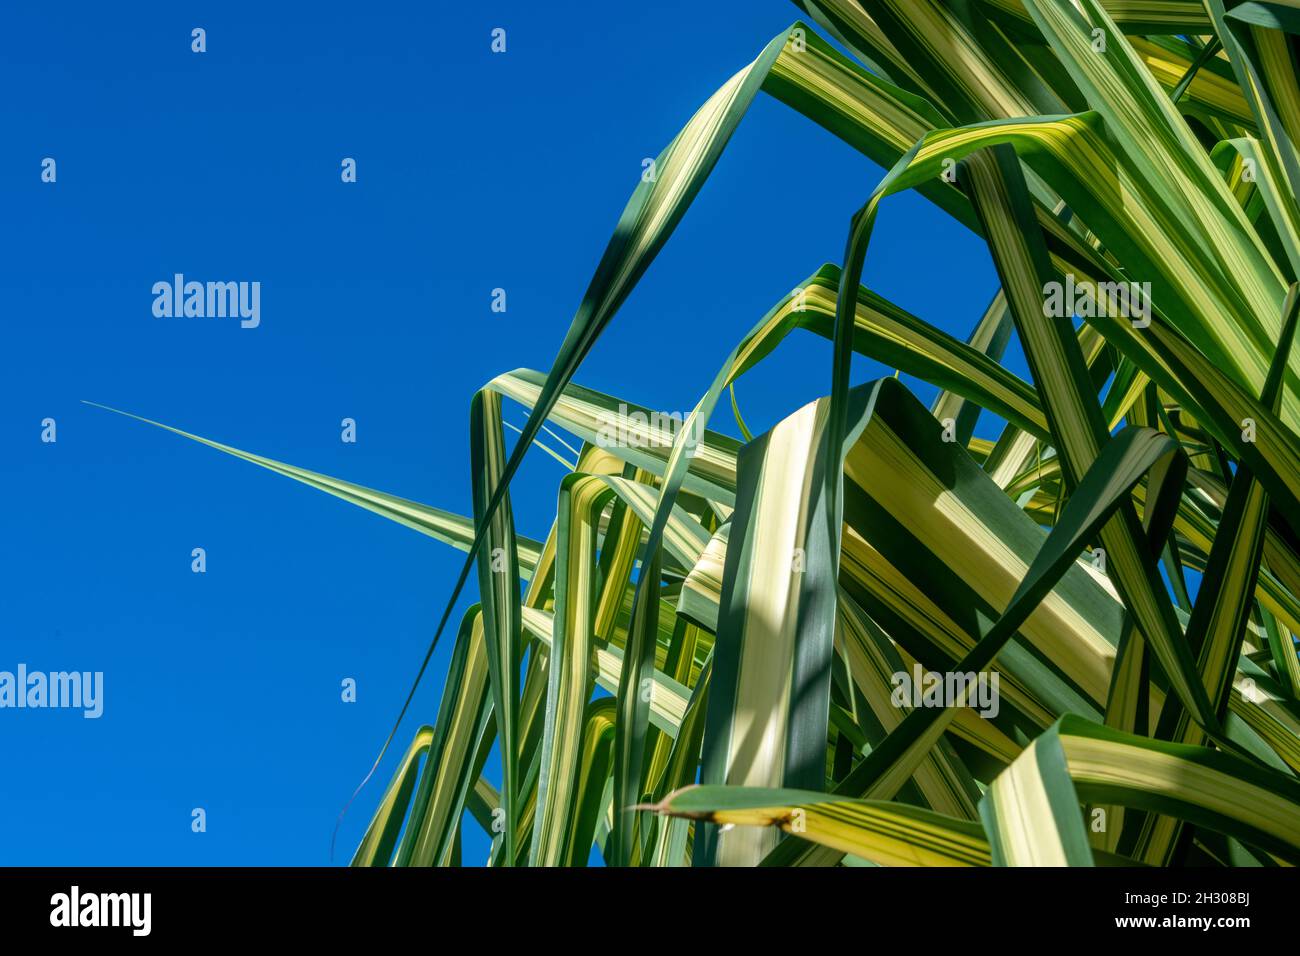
(474, 171)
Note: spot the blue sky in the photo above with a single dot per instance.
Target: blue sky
(475, 171)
